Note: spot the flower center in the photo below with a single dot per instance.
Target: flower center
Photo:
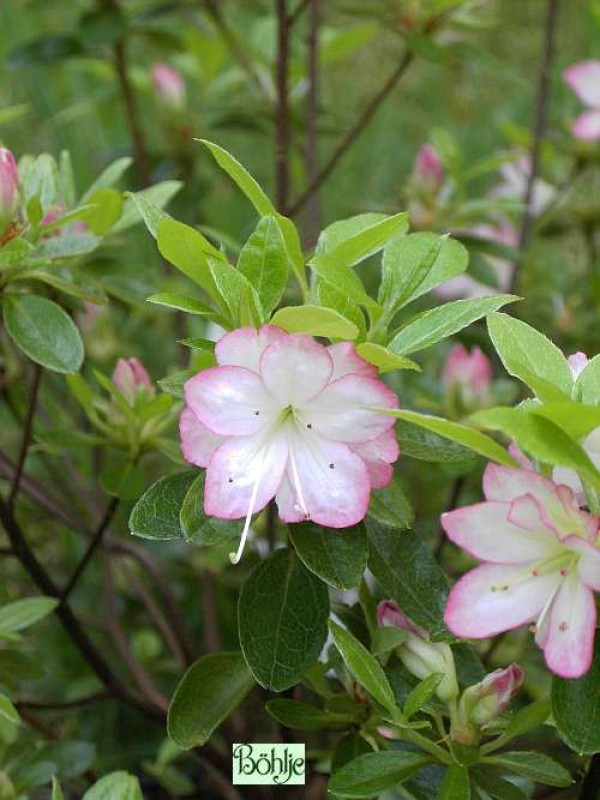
(563, 562)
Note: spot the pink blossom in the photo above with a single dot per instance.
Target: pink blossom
(584, 79)
(51, 216)
(169, 86)
(515, 177)
(468, 374)
(130, 376)
(428, 168)
(541, 565)
(483, 702)
(577, 362)
(417, 653)
(286, 417)
(9, 188)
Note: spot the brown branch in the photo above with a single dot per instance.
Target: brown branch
(311, 154)
(138, 139)
(365, 118)
(295, 15)
(62, 705)
(282, 110)
(96, 540)
(540, 121)
(27, 434)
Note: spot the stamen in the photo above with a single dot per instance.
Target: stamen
(296, 482)
(332, 465)
(309, 426)
(235, 557)
(563, 627)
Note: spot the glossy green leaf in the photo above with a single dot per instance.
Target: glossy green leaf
(109, 176)
(574, 418)
(147, 206)
(107, 207)
(537, 766)
(282, 615)
(8, 711)
(496, 786)
(304, 716)
(384, 639)
(14, 252)
(372, 773)
(343, 229)
(197, 528)
(527, 719)
(409, 574)
(316, 321)
(350, 746)
(21, 614)
(346, 252)
(587, 385)
(364, 667)
(456, 785)
(337, 556)
(115, 786)
(264, 262)
(57, 792)
(421, 694)
(67, 245)
(418, 442)
(208, 692)
(390, 506)
(156, 513)
(439, 323)
(182, 302)
(384, 359)
(188, 250)
(576, 708)
(43, 331)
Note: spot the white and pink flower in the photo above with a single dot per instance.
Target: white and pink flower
(9, 188)
(584, 79)
(286, 417)
(428, 169)
(131, 377)
(541, 566)
(483, 702)
(169, 86)
(468, 376)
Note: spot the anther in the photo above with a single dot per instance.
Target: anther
(535, 573)
(229, 480)
(309, 426)
(332, 465)
(257, 413)
(563, 627)
(533, 629)
(564, 572)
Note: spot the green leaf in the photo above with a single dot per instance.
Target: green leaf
(587, 385)
(496, 786)
(421, 694)
(390, 506)
(156, 513)
(530, 356)
(527, 719)
(57, 792)
(456, 785)
(468, 437)
(115, 786)
(537, 766)
(574, 418)
(385, 639)
(384, 359)
(409, 574)
(348, 251)
(282, 615)
(21, 614)
(67, 245)
(182, 302)
(263, 261)
(8, 711)
(316, 321)
(107, 209)
(14, 252)
(576, 708)
(188, 250)
(372, 773)
(438, 323)
(109, 176)
(342, 229)
(43, 331)
(304, 716)
(147, 206)
(414, 264)
(330, 297)
(206, 695)
(197, 528)
(364, 667)
(337, 556)
(540, 438)
(350, 746)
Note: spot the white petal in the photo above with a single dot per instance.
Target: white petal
(584, 79)
(569, 638)
(484, 531)
(329, 481)
(244, 346)
(587, 126)
(379, 455)
(295, 369)
(231, 401)
(479, 607)
(198, 442)
(588, 567)
(236, 467)
(346, 360)
(342, 411)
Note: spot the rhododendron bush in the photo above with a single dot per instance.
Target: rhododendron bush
(295, 458)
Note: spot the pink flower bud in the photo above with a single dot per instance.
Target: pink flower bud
(491, 696)
(417, 653)
(130, 376)
(577, 362)
(428, 167)
(9, 188)
(169, 87)
(468, 374)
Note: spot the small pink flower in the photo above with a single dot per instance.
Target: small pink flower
(428, 168)
(417, 653)
(577, 362)
(169, 86)
(468, 374)
(584, 79)
(541, 565)
(483, 702)
(286, 417)
(130, 376)
(9, 188)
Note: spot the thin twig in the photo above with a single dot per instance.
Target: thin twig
(63, 705)
(297, 12)
(27, 434)
(311, 154)
(282, 110)
(103, 526)
(138, 139)
(212, 636)
(540, 121)
(367, 115)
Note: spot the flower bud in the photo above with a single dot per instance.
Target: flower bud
(483, 702)
(130, 377)
(467, 377)
(169, 87)
(577, 362)
(9, 188)
(427, 168)
(418, 654)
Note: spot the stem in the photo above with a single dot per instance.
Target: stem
(27, 435)
(94, 543)
(590, 788)
(540, 121)
(138, 139)
(282, 111)
(367, 115)
(298, 11)
(311, 156)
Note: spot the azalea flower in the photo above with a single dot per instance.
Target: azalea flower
(169, 86)
(467, 377)
(9, 188)
(483, 702)
(541, 565)
(286, 417)
(130, 376)
(428, 169)
(584, 79)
